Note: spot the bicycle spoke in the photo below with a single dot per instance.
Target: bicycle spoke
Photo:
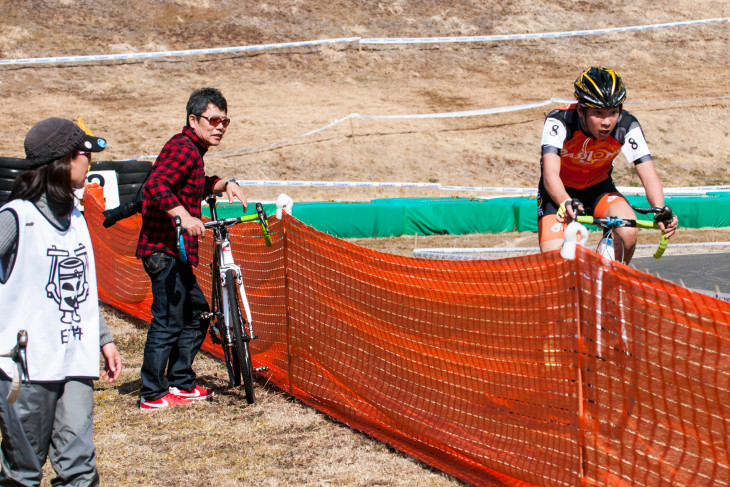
(239, 334)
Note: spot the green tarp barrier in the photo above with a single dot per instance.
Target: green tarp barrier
(390, 217)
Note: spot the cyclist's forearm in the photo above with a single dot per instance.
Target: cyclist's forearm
(219, 185)
(655, 199)
(557, 192)
(178, 211)
(551, 178)
(192, 225)
(651, 182)
(654, 192)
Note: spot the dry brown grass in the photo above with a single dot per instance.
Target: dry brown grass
(276, 95)
(277, 441)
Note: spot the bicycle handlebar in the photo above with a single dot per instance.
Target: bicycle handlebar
(179, 231)
(18, 355)
(260, 216)
(225, 222)
(612, 222)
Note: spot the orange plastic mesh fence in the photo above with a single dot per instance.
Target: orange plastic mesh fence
(525, 371)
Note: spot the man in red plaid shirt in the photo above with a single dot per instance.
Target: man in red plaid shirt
(176, 186)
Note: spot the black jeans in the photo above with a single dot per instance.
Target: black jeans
(176, 331)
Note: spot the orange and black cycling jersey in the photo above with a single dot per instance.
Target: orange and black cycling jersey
(585, 161)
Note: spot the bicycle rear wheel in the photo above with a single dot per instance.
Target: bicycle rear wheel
(241, 339)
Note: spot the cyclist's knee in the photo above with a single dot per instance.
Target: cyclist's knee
(628, 235)
(550, 229)
(549, 245)
(613, 204)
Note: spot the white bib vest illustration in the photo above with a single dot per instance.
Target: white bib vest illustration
(51, 293)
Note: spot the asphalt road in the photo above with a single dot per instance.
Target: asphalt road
(706, 272)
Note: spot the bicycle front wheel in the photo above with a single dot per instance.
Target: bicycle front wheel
(219, 333)
(240, 337)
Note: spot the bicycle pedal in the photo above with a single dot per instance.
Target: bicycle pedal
(214, 335)
(206, 315)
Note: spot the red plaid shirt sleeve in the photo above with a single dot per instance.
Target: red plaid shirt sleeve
(177, 179)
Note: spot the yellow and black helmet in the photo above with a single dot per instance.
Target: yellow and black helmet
(600, 88)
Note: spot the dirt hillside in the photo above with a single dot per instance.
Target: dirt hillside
(275, 95)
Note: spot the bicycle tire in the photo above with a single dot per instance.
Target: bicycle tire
(216, 303)
(14, 163)
(10, 173)
(127, 191)
(131, 178)
(122, 167)
(6, 184)
(239, 332)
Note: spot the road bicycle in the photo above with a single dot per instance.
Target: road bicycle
(610, 223)
(18, 354)
(228, 326)
(616, 350)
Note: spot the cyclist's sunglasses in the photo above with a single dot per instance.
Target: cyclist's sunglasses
(215, 121)
(83, 153)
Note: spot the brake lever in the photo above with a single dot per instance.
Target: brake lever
(575, 204)
(20, 355)
(264, 224)
(646, 211)
(179, 230)
(665, 215)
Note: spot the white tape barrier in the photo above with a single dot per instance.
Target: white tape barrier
(186, 52)
(392, 40)
(678, 190)
(331, 184)
(481, 189)
(546, 35)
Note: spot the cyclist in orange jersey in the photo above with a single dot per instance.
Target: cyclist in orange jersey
(579, 144)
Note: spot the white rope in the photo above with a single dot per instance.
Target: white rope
(545, 35)
(391, 40)
(159, 54)
(467, 113)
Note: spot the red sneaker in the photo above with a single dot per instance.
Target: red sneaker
(198, 394)
(166, 401)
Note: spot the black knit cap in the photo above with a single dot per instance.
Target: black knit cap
(53, 138)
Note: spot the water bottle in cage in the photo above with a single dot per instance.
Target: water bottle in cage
(605, 247)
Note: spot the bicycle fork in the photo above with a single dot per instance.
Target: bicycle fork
(247, 337)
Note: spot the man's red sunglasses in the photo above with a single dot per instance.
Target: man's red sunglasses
(215, 121)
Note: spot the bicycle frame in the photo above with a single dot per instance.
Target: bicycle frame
(228, 328)
(223, 262)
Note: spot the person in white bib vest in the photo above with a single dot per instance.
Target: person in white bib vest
(48, 287)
